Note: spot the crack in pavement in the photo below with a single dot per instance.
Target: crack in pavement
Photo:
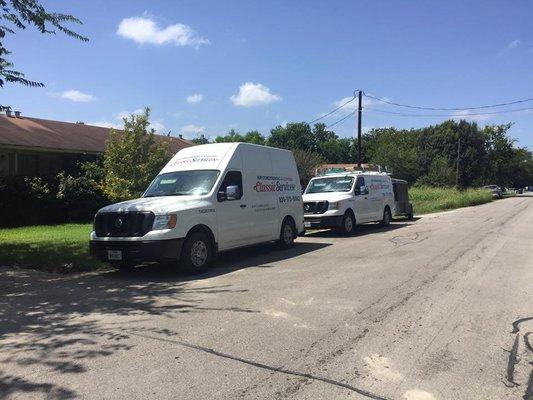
(282, 370)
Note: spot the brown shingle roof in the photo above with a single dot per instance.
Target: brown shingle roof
(62, 136)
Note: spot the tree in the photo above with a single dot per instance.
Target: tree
(296, 135)
(133, 157)
(19, 14)
(306, 163)
(200, 140)
(232, 137)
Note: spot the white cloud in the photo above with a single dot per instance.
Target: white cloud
(76, 95)
(191, 128)
(466, 115)
(514, 44)
(126, 114)
(145, 30)
(157, 126)
(253, 94)
(195, 98)
(106, 124)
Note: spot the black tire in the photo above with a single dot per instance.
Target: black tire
(287, 234)
(410, 214)
(348, 224)
(387, 217)
(196, 253)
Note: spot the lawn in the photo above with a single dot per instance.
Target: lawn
(431, 199)
(47, 246)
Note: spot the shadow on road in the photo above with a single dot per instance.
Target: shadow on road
(363, 230)
(38, 331)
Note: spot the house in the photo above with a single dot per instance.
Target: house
(33, 146)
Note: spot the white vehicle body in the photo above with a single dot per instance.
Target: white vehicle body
(330, 198)
(270, 192)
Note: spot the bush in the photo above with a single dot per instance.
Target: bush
(27, 201)
(432, 199)
(51, 200)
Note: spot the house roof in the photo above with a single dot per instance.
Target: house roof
(51, 135)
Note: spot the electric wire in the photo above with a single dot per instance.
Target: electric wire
(332, 111)
(449, 115)
(340, 120)
(447, 109)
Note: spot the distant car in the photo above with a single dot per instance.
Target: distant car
(495, 190)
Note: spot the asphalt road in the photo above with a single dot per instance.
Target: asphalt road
(437, 308)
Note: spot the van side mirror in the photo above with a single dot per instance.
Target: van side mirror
(221, 196)
(361, 190)
(233, 193)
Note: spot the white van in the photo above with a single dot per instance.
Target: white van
(343, 200)
(208, 198)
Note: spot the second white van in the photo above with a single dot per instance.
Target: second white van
(208, 198)
(343, 200)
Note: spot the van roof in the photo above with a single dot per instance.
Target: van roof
(210, 156)
(353, 174)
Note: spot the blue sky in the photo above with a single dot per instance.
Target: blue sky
(209, 66)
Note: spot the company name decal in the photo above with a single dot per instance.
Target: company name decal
(195, 159)
(376, 184)
(274, 184)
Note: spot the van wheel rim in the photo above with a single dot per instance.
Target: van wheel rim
(287, 234)
(198, 253)
(348, 224)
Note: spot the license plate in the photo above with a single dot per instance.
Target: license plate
(307, 224)
(114, 255)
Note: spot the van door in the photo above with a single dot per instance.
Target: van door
(377, 186)
(363, 203)
(233, 219)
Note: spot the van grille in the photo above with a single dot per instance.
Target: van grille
(123, 224)
(316, 207)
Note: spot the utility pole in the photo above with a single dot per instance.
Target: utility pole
(458, 156)
(359, 140)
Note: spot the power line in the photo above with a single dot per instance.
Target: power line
(448, 115)
(340, 120)
(447, 109)
(332, 111)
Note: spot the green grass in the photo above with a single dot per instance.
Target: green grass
(47, 246)
(431, 199)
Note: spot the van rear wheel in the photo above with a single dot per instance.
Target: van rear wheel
(387, 217)
(287, 234)
(197, 253)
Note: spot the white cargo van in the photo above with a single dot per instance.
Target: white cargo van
(343, 200)
(208, 198)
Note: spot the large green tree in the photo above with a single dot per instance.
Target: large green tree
(133, 158)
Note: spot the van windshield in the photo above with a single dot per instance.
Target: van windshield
(333, 184)
(182, 183)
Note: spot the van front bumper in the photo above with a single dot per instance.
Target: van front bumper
(136, 251)
(333, 221)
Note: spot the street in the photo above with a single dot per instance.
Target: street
(436, 308)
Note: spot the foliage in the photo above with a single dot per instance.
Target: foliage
(47, 246)
(431, 199)
(306, 162)
(16, 14)
(133, 158)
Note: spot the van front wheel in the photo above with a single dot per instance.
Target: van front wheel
(348, 223)
(287, 234)
(197, 253)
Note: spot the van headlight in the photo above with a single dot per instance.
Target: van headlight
(334, 205)
(167, 221)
